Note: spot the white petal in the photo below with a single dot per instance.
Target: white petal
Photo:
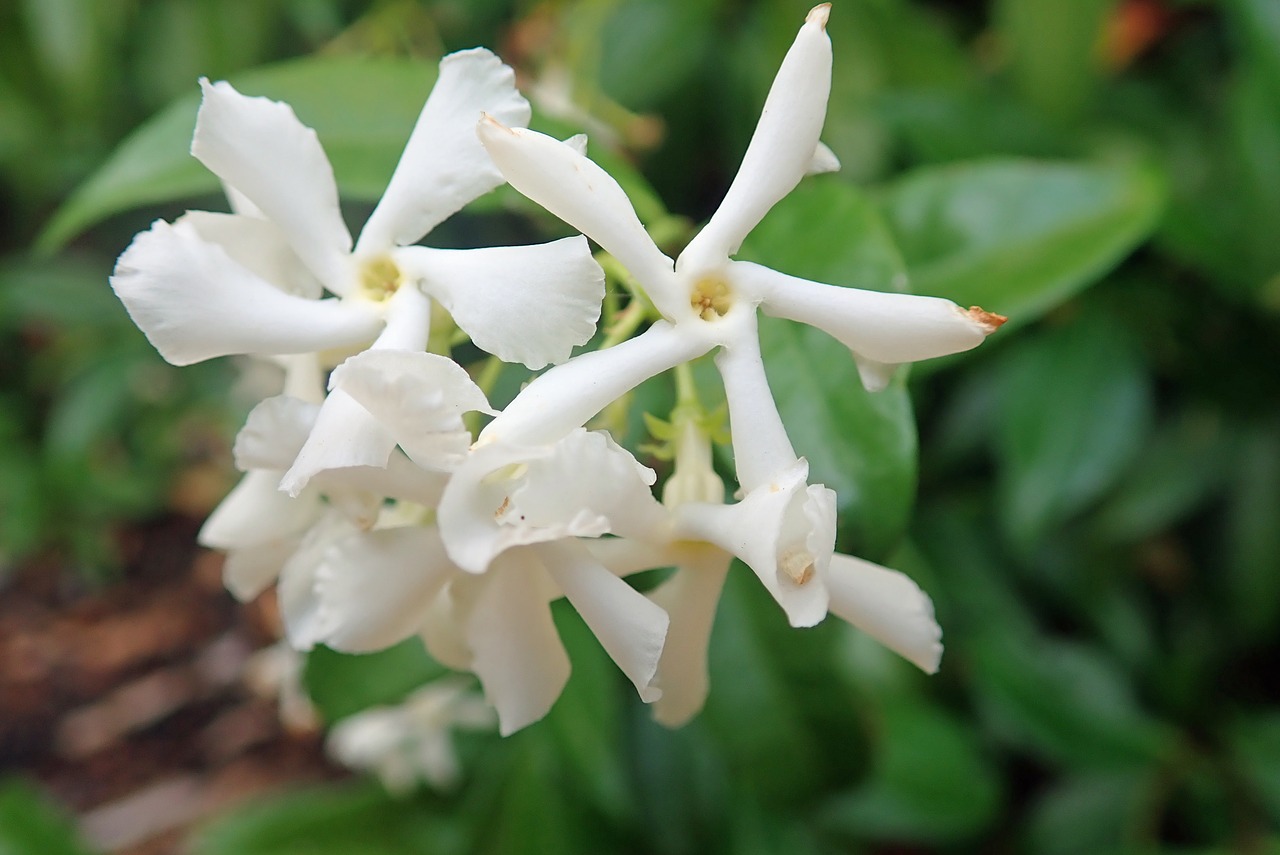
(824, 160)
(517, 653)
(259, 147)
(375, 588)
(888, 606)
(408, 315)
(690, 597)
(761, 448)
(566, 396)
(345, 435)
(631, 628)
(248, 571)
(258, 246)
(444, 166)
(194, 302)
(255, 512)
(506, 495)
(784, 531)
(781, 149)
(274, 433)
(300, 608)
(576, 190)
(884, 328)
(399, 479)
(526, 304)
(419, 398)
(443, 630)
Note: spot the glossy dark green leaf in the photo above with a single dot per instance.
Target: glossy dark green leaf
(362, 109)
(753, 712)
(1018, 237)
(1067, 703)
(1075, 407)
(586, 721)
(862, 445)
(30, 825)
(930, 781)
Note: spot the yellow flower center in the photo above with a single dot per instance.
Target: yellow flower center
(380, 278)
(711, 297)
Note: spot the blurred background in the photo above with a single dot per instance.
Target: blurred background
(1092, 498)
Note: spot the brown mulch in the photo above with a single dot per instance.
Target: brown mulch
(126, 704)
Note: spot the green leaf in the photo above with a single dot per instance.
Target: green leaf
(1052, 45)
(341, 684)
(930, 781)
(362, 109)
(1067, 703)
(1075, 407)
(1255, 746)
(753, 713)
(586, 720)
(1018, 237)
(333, 820)
(1090, 814)
(1182, 464)
(29, 825)
(1253, 539)
(861, 445)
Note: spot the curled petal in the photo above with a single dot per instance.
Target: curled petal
(504, 496)
(444, 166)
(824, 160)
(274, 433)
(300, 608)
(418, 397)
(516, 651)
(631, 628)
(366, 486)
(566, 396)
(259, 147)
(526, 304)
(783, 530)
(255, 512)
(878, 327)
(375, 588)
(249, 571)
(690, 597)
(888, 606)
(256, 245)
(345, 435)
(575, 189)
(781, 150)
(194, 302)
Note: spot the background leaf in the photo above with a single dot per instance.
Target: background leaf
(362, 109)
(1018, 237)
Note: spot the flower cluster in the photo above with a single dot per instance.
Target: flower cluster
(366, 497)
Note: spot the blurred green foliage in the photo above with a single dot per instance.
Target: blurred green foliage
(1098, 509)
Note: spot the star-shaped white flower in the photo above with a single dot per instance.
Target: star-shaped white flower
(708, 300)
(212, 285)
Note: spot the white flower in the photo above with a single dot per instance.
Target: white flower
(212, 285)
(785, 533)
(412, 741)
(706, 299)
